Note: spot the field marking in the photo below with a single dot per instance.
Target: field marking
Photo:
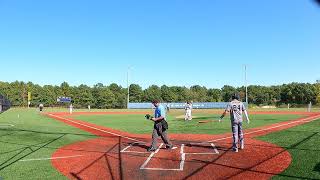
(302, 120)
(151, 155)
(215, 148)
(52, 158)
(183, 157)
(181, 165)
(124, 150)
(108, 132)
(182, 161)
(211, 144)
(6, 125)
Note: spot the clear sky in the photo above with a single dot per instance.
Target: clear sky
(172, 42)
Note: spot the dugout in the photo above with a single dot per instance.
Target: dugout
(4, 103)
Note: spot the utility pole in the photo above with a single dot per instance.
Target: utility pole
(128, 87)
(245, 81)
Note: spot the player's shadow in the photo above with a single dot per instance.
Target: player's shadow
(26, 151)
(250, 169)
(204, 146)
(317, 168)
(140, 145)
(105, 156)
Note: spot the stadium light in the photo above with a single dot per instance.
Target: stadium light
(128, 87)
(245, 81)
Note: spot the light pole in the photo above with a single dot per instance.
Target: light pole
(245, 81)
(128, 87)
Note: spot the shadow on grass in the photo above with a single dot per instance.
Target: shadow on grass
(317, 168)
(15, 158)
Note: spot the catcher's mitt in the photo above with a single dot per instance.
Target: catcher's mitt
(148, 116)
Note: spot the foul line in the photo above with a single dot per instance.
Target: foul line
(108, 132)
(308, 119)
(52, 158)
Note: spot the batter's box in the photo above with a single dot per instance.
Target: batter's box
(200, 149)
(135, 148)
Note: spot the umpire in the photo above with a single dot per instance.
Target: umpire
(160, 127)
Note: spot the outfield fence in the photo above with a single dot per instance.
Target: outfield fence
(177, 105)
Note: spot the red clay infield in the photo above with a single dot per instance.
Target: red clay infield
(121, 155)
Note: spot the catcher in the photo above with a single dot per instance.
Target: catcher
(160, 127)
(236, 107)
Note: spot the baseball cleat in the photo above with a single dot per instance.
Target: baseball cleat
(151, 149)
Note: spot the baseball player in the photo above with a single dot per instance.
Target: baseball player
(236, 108)
(70, 108)
(40, 107)
(188, 109)
(160, 127)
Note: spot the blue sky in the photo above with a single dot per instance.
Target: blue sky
(173, 42)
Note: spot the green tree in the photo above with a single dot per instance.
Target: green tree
(226, 92)
(120, 96)
(136, 93)
(213, 95)
(104, 98)
(168, 94)
(83, 96)
(152, 93)
(198, 93)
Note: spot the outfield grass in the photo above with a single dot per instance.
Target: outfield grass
(33, 136)
(303, 143)
(138, 125)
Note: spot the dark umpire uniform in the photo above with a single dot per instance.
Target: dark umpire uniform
(160, 127)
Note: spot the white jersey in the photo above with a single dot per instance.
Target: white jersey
(236, 108)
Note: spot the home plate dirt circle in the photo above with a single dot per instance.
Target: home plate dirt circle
(103, 158)
(121, 155)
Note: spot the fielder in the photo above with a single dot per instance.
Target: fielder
(236, 107)
(70, 108)
(160, 127)
(188, 109)
(41, 107)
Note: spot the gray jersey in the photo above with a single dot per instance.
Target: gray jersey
(188, 107)
(236, 108)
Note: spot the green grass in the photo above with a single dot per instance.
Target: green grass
(138, 125)
(33, 136)
(303, 143)
(37, 136)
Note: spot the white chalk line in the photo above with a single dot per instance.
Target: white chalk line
(183, 157)
(182, 161)
(208, 153)
(108, 132)
(6, 125)
(51, 158)
(124, 150)
(149, 158)
(302, 120)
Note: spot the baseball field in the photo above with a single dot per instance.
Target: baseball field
(112, 145)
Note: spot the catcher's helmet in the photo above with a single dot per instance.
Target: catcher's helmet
(236, 96)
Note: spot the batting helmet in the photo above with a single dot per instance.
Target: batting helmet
(236, 96)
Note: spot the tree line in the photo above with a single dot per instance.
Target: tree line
(114, 96)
